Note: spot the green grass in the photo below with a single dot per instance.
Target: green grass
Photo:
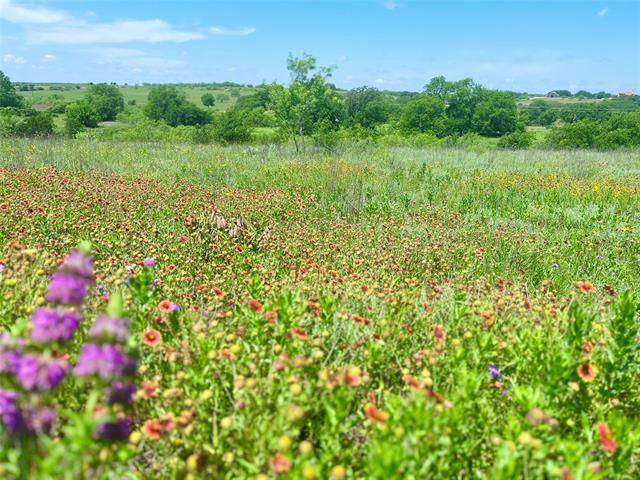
(140, 94)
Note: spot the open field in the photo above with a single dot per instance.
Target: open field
(139, 94)
(377, 313)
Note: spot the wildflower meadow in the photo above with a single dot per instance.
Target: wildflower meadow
(207, 312)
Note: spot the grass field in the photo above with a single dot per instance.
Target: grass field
(139, 93)
(378, 313)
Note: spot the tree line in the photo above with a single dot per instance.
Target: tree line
(311, 108)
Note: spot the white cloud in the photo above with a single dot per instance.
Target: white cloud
(124, 31)
(603, 12)
(10, 58)
(379, 80)
(390, 4)
(136, 60)
(232, 31)
(29, 14)
(342, 58)
(48, 58)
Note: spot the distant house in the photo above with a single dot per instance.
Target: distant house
(553, 94)
(627, 93)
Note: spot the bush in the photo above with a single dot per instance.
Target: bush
(231, 126)
(31, 124)
(79, 115)
(516, 140)
(167, 104)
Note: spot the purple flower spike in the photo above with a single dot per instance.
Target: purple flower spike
(494, 372)
(67, 289)
(149, 262)
(121, 393)
(9, 362)
(78, 264)
(40, 420)
(114, 431)
(51, 325)
(110, 328)
(40, 373)
(105, 361)
(10, 412)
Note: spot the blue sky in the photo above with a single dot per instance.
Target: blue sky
(530, 46)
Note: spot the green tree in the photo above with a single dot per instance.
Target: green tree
(208, 100)
(461, 98)
(423, 113)
(167, 104)
(107, 99)
(309, 105)
(8, 95)
(496, 114)
(232, 126)
(79, 115)
(367, 106)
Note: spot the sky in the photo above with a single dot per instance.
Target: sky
(529, 46)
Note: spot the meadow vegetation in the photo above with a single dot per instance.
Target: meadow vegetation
(371, 312)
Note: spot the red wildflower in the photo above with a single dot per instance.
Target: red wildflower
(374, 415)
(298, 333)
(280, 463)
(587, 372)
(606, 440)
(152, 429)
(585, 287)
(438, 333)
(218, 293)
(152, 338)
(256, 306)
(165, 306)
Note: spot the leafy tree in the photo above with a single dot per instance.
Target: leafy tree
(496, 114)
(232, 126)
(208, 100)
(367, 106)
(107, 99)
(423, 113)
(8, 95)
(79, 115)
(167, 104)
(309, 104)
(461, 98)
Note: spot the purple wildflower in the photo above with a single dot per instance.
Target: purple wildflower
(10, 412)
(78, 264)
(149, 262)
(40, 373)
(67, 289)
(9, 362)
(106, 361)
(120, 393)
(114, 431)
(40, 420)
(2, 267)
(110, 328)
(494, 372)
(51, 324)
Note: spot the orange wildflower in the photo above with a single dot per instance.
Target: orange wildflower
(374, 415)
(280, 463)
(255, 305)
(152, 338)
(165, 306)
(152, 429)
(587, 372)
(606, 439)
(585, 287)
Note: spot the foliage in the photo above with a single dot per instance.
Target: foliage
(167, 104)
(309, 104)
(106, 99)
(8, 95)
(231, 126)
(208, 100)
(79, 115)
(423, 113)
(516, 140)
(367, 107)
(25, 123)
(496, 114)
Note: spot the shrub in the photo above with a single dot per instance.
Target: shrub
(79, 115)
(516, 140)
